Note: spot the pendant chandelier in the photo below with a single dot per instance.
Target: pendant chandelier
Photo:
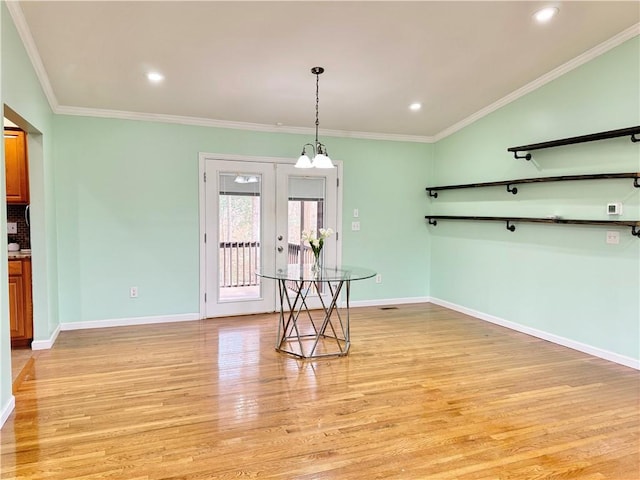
(320, 156)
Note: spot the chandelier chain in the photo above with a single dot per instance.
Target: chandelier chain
(317, 101)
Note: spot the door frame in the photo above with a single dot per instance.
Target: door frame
(202, 158)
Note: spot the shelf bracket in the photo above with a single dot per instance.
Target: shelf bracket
(635, 182)
(526, 157)
(511, 189)
(634, 139)
(433, 222)
(635, 232)
(510, 227)
(432, 193)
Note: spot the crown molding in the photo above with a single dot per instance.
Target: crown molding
(256, 127)
(15, 10)
(585, 57)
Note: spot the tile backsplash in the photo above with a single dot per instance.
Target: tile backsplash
(15, 213)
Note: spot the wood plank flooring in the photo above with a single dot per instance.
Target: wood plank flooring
(22, 360)
(425, 393)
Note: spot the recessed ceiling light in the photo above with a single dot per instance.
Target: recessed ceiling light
(546, 14)
(155, 77)
(415, 106)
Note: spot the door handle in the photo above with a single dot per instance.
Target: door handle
(280, 249)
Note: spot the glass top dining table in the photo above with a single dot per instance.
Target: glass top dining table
(309, 273)
(306, 332)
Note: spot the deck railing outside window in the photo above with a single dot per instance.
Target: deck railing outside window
(239, 260)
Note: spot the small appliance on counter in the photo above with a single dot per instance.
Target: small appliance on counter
(14, 247)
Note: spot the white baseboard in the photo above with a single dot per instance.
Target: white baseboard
(387, 301)
(7, 410)
(124, 322)
(114, 322)
(550, 337)
(48, 343)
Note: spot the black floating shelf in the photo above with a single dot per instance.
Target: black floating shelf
(622, 132)
(514, 190)
(635, 225)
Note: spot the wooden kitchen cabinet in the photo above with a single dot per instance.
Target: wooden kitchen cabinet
(16, 166)
(20, 302)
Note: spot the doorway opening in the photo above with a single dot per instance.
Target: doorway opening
(41, 308)
(17, 200)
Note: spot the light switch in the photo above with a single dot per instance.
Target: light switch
(356, 214)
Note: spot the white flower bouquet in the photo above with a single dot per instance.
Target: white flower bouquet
(316, 241)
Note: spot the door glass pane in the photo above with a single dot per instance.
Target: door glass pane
(306, 212)
(239, 255)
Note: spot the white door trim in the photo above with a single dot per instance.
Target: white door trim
(202, 158)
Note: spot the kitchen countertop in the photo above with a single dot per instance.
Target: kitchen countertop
(19, 255)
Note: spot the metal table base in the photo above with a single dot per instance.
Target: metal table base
(306, 333)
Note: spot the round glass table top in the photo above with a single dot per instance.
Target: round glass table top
(326, 273)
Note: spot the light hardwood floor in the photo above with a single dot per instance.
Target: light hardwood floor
(426, 393)
(21, 365)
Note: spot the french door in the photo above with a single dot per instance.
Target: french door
(254, 214)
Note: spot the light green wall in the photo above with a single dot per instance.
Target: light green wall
(21, 93)
(385, 181)
(563, 280)
(127, 198)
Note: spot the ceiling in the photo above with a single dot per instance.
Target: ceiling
(250, 62)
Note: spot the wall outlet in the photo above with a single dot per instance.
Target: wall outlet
(355, 226)
(12, 227)
(613, 237)
(379, 278)
(133, 292)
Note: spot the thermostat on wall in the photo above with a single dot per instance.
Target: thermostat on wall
(614, 208)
